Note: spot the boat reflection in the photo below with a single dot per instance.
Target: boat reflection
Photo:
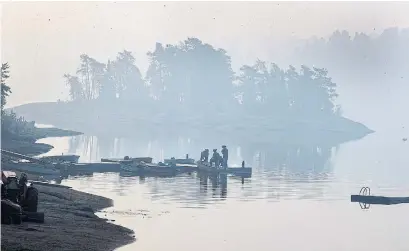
(281, 170)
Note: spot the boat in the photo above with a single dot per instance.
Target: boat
(149, 168)
(186, 161)
(180, 161)
(97, 167)
(187, 168)
(61, 158)
(30, 167)
(241, 171)
(126, 158)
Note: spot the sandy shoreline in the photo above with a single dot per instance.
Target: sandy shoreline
(70, 222)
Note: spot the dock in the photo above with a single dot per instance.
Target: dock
(100, 167)
(241, 171)
(48, 166)
(365, 199)
(379, 200)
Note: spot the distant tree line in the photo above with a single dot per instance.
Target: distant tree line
(362, 56)
(11, 124)
(193, 76)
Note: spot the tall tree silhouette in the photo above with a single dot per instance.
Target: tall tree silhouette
(5, 89)
(158, 72)
(10, 122)
(107, 91)
(191, 73)
(127, 76)
(194, 78)
(91, 75)
(85, 75)
(269, 90)
(76, 89)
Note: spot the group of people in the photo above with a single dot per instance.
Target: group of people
(216, 159)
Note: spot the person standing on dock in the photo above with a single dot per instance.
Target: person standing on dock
(225, 154)
(204, 156)
(215, 158)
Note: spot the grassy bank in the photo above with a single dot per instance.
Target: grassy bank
(70, 224)
(26, 143)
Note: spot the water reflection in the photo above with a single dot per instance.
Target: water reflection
(218, 183)
(295, 174)
(282, 155)
(281, 170)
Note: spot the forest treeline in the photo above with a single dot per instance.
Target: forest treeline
(360, 56)
(12, 126)
(194, 77)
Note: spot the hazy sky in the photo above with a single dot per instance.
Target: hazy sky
(43, 40)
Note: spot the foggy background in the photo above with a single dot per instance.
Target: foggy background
(305, 154)
(43, 41)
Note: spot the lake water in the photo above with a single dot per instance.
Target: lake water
(297, 199)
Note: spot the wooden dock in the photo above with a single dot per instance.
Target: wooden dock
(47, 166)
(241, 171)
(97, 167)
(379, 200)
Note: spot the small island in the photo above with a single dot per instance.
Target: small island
(191, 88)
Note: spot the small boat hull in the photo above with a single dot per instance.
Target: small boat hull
(29, 167)
(136, 160)
(149, 169)
(241, 171)
(98, 167)
(61, 158)
(187, 168)
(180, 161)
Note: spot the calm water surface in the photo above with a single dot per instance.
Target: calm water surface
(297, 198)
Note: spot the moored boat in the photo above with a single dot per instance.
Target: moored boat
(205, 167)
(30, 167)
(97, 167)
(187, 168)
(149, 168)
(186, 161)
(136, 160)
(61, 158)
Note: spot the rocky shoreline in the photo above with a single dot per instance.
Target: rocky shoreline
(27, 145)
(70, 222)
